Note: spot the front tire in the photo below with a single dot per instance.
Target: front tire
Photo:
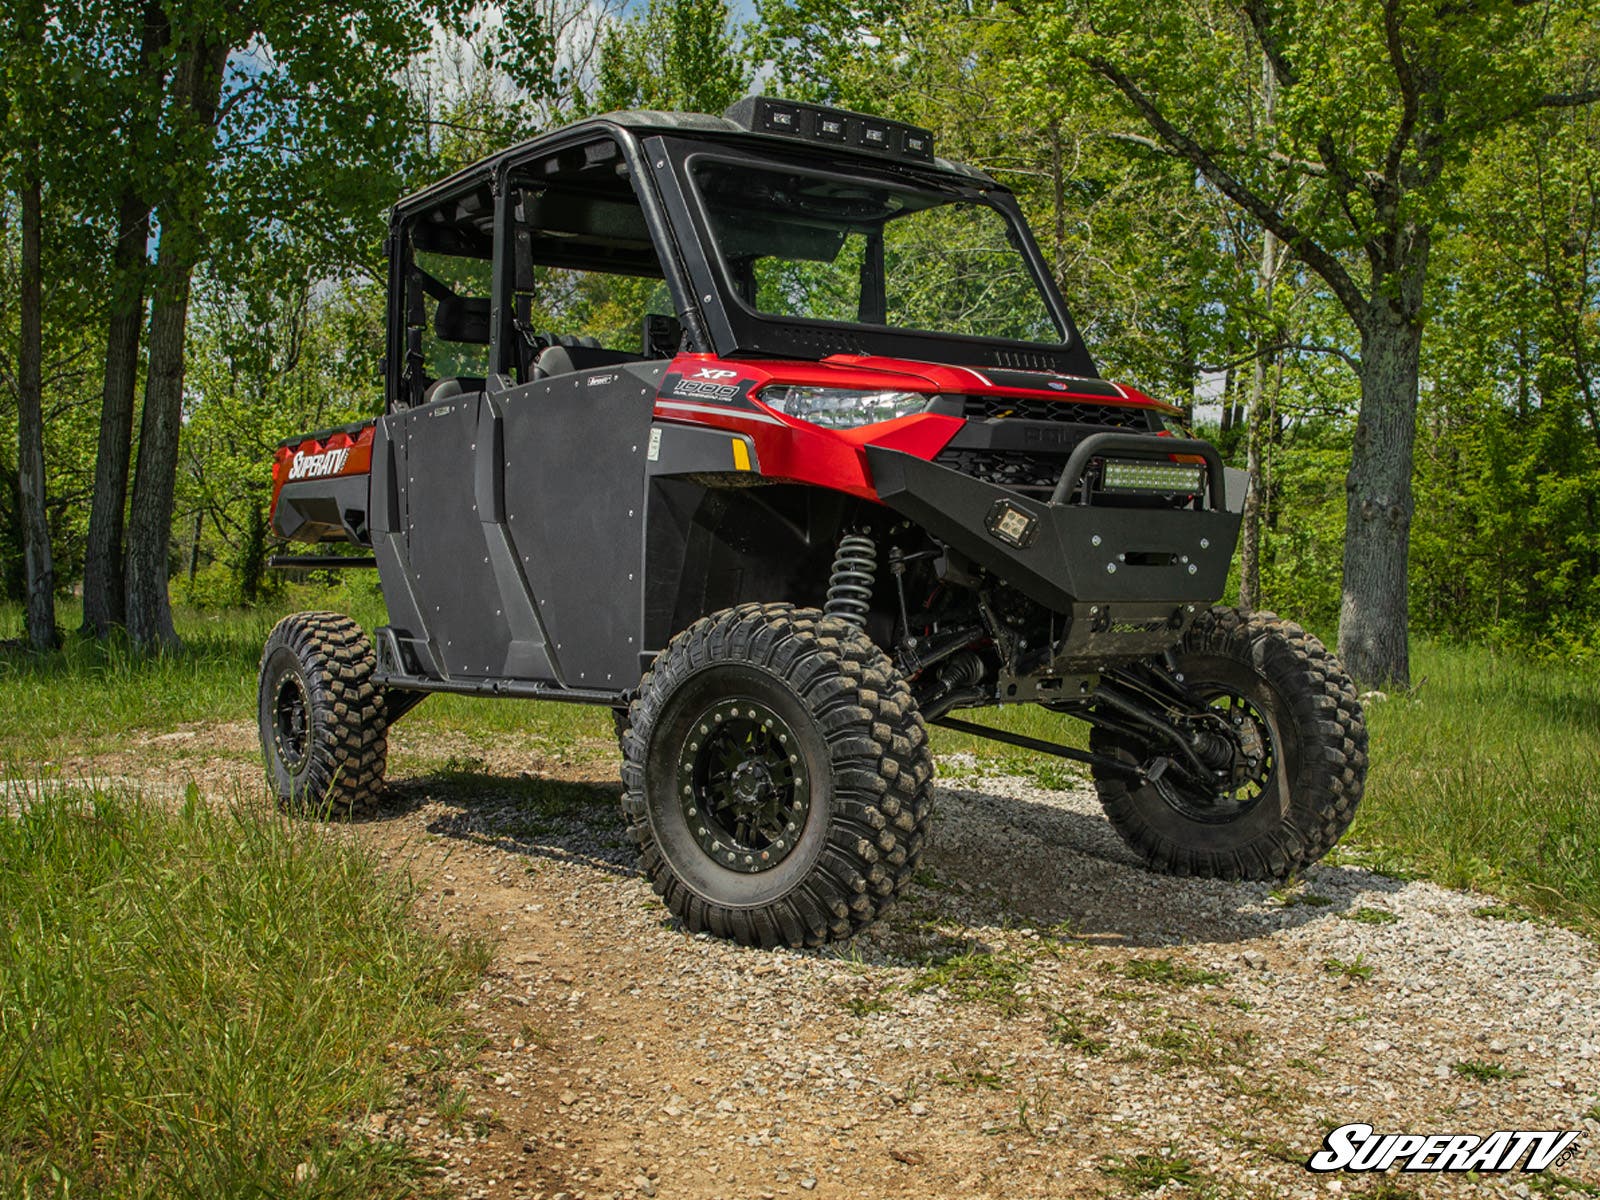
(321, 715)
(1300, 717)
(776, 777)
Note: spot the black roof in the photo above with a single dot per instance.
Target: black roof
(647, 121)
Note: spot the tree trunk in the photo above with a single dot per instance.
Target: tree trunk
(1266, 281)
(196, 93)
(194, 546)
(1250, 540)
(1255, 433)
(149, 610)
(41, 575)
(1372, 615)
(102, 568)
(103, 583)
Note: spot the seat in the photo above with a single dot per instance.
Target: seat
(562, 357)
(462, 319)
(455, 385)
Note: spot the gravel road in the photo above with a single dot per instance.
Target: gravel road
(1086, 1028)
(1037, 1017)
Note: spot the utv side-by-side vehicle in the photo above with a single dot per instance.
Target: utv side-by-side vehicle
(771, 433)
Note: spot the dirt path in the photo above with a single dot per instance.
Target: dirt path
(1084, 1028)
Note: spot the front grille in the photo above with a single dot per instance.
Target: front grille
(1069, 412)
(1027, 473)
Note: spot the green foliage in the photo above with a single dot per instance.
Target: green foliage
(1484, 1072)
(678, 55)
(1371, 916)
(1356, 968)
(976, 975)
(200, 1001)
(1148, 1172)
(1166, 971)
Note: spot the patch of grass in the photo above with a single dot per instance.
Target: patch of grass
(1294, 893)
(1488, 780)
(1593, 1112)
(1147, 1172)
(1356, 968)
(1168, 973)
(865, 1006)
(1553, 1183)
(1126, 995)
(976, 975)
(1502, 912)
(1371, 916)
(1077, 1030)
(1188, 1045)
(1484, 1071)
(1055, 775)
(92, 698)
(972, 1074)
(200, 1001)
(1172, 1041)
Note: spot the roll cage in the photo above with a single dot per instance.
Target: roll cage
(612, 194)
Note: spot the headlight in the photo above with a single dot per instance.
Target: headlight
(842, 408)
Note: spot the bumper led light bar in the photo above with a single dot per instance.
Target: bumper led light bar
(1167, 478)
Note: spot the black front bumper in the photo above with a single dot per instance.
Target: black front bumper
(1077, 554)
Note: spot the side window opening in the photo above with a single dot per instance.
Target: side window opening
(448, 272)
(587, 287)
(455, 303)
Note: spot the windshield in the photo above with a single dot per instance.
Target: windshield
(799, 243)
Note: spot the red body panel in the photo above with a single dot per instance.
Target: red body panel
(792, 449)
(337, 454)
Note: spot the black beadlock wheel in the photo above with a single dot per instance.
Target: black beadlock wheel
(1297, 775)
(321, 716)
(776, 777)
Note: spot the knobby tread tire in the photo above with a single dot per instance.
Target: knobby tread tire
(1320, 712)
(880, 761)
(343, 774)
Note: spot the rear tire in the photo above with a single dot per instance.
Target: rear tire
(1303, 711)
(321, 716)
(776, 777)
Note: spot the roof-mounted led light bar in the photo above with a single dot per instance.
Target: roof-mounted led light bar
(814, 123)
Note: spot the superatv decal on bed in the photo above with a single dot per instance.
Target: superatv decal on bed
(315, 466)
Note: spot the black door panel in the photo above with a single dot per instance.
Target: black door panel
(573, 484)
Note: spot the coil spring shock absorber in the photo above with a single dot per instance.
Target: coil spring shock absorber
(855, 569)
